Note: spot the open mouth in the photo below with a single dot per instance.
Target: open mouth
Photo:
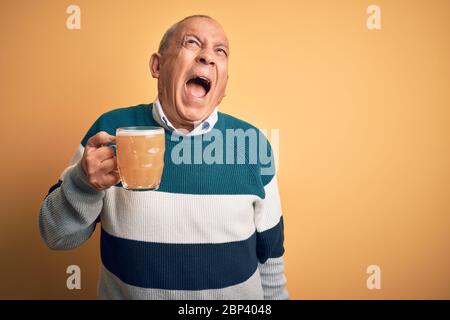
(198, 86)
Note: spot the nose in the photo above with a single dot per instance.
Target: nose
(205, 57)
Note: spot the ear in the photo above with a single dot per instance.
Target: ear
(155, 61)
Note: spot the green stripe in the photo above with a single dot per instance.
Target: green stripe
(193, 178)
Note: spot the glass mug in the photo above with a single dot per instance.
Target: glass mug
(140, 157)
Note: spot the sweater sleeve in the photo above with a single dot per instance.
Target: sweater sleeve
(69, 213)
(270, 239)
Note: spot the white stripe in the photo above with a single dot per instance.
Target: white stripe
(268, 210)
(162, 217)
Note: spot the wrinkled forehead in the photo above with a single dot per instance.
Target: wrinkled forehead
(203, 28)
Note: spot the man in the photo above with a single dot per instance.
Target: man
(211, 231)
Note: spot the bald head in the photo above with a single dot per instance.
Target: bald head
(167, 37)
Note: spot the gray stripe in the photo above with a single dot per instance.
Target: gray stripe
(273, 279)
(112, 288)
(67, 216)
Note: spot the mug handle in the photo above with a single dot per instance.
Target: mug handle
(112, 145)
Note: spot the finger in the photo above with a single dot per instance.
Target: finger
(109, 165)
(99, 139)
(103, 153)
(111, 179)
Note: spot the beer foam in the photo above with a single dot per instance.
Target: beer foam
(134, 133)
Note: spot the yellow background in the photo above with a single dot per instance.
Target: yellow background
(363, 118)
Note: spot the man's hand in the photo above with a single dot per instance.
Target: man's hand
(99, 163)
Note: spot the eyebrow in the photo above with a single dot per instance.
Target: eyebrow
(192, 35)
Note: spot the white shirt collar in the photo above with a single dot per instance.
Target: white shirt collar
(200, 128)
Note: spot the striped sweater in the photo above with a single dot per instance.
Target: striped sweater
(211, 231)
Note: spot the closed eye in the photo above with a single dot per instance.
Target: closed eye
(191, 43)
(222, 51)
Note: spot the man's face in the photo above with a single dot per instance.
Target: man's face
(192, 72)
